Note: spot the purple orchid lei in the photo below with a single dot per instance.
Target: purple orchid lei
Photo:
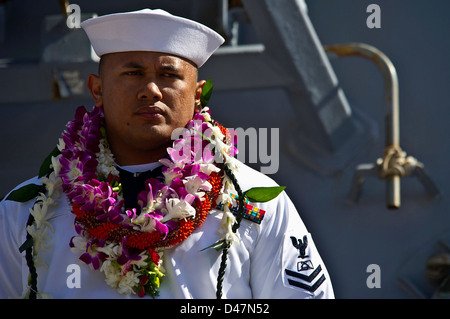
(83, 167)
(90, 181)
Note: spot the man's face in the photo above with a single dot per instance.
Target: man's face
(145, 96)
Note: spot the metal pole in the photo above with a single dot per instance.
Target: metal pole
(392, 119)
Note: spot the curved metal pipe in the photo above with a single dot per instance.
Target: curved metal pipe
(392, 117)
(391, 82)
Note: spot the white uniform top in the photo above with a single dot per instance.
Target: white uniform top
(276, 259)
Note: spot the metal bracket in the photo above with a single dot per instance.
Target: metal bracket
(394, 164)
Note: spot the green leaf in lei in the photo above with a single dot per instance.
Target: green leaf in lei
(26, 193)
(206, 93)
(263, 194)
(45, 168)
(218, 245)
(31, 191)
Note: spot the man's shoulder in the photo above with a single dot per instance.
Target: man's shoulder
(249, 177)
(14, 216)
(15, 209)
(33, 180)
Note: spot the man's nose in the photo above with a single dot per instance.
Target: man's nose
(150, 91)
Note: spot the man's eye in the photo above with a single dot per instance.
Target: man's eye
(170, 75)
(133, 72)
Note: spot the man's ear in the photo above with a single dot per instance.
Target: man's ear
(94, 85)
(198, 93)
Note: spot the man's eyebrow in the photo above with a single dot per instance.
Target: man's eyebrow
(169, 67)
(133, 65)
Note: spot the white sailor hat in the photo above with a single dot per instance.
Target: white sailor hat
(152, 30)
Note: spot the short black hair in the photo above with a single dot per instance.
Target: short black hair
(100, 65)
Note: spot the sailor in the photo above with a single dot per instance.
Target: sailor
(142, 196)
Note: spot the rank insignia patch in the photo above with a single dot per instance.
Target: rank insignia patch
(301, 269)
(304, 265)
(307, 282)
(300, 245)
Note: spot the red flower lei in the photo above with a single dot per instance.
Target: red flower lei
(100, 217)
(105, 230)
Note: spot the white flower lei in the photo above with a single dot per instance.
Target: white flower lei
(44, 206)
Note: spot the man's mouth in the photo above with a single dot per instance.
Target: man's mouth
(149, 112)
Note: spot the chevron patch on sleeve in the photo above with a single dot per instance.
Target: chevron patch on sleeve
(302, 265)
